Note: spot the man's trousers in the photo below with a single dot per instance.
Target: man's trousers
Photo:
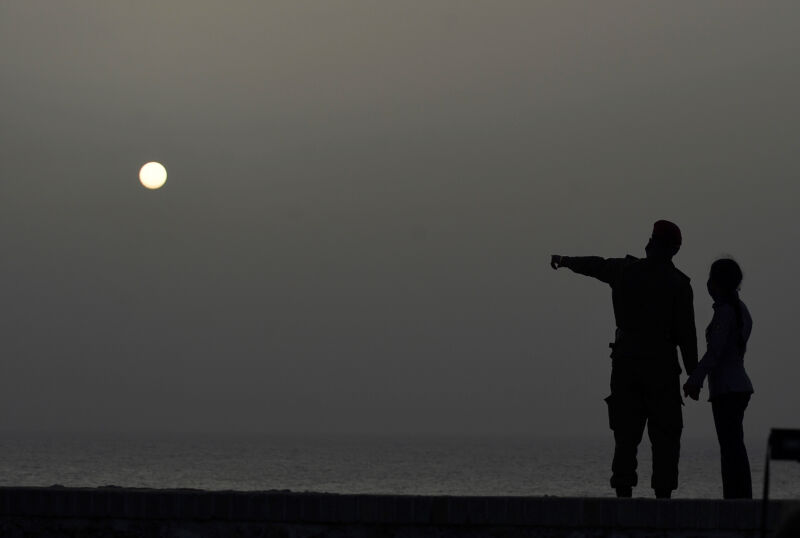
(645, 395)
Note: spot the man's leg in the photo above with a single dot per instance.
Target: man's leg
(665, 423)
(627, 419)
(728, 412)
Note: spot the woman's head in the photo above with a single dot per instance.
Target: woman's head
(724, 278)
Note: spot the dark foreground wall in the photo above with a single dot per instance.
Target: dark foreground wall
(118, 512)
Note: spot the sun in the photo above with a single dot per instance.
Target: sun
(153, 175)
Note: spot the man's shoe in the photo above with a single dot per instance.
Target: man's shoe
(663, 493)
(625, 491)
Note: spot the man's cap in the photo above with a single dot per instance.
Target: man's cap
(667, 233)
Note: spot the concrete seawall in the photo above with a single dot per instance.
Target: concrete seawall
(118, 512)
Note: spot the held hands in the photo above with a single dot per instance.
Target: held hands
(691, 390)
(555, 261)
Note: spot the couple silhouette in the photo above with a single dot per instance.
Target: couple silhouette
(653, 307)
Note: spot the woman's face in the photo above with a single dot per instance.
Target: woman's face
(713, 289)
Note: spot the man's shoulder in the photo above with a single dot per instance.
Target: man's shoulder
(681, 282)
(647, 266)
(626, 264)
(682, 277)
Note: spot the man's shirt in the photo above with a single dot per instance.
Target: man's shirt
(653, 307)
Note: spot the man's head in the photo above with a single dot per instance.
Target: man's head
(665, 241)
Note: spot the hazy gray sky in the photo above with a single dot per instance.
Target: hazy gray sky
(362, 201)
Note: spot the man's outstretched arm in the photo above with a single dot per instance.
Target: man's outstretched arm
(604, 269)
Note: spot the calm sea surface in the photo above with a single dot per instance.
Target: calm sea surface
(447, 465)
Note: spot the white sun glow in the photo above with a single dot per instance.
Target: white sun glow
(153, 175)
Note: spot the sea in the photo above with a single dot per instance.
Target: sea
(364, 464)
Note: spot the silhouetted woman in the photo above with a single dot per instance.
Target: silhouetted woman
(728, 384)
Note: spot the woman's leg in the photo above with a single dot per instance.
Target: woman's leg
(728, 412)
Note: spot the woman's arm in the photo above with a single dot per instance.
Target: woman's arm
(721, 326)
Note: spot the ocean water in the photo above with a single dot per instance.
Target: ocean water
(435, 465)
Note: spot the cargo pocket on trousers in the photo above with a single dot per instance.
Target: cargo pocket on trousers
(674, 418)
(611, 402)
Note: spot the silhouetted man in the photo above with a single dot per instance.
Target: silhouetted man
(654, 314)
